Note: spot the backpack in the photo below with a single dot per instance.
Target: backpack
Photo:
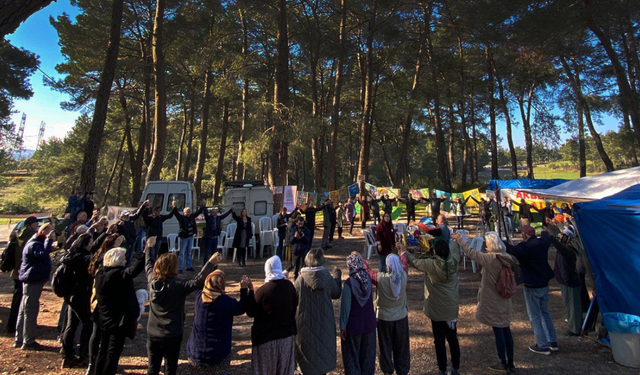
(506, 285)
(62, 280)
(8, 258)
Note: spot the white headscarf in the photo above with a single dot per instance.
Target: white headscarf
(273, 269)
(395, 271)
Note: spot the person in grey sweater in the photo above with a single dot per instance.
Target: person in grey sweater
(167, 294)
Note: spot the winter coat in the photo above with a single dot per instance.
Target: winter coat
(493, 309)
(213, 228)
(241, 227)
(36, 262)
(329, 215)
(315, 320)
(82, 282)
(210, 340)
(282, 224)
(188, 226)
(565, 269)
(167, 297)
(341, 217)
(153, 224)
(299, 245)
(274, 308)
(350, 210)
(441, 299)
(24, 236)
(118, 308)
(532, 255)
(385, 237)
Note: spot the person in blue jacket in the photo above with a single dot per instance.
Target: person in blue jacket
(299, 238)
(212, 230)
(210, 341)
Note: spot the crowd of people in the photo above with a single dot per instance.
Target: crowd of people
(293, 322)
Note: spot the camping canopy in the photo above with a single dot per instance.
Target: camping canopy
(522, 183)
(608, 228)
(590, 188)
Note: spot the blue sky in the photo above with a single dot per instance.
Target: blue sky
(38, 36)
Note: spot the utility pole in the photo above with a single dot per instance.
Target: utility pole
(21, 129)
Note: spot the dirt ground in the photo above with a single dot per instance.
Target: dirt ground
(576, 356)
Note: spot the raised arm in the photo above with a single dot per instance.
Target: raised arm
(150, 255)
(475, 200)
(198, 281)
(174, 211)
(461, 243)
(223, 216)
(372, 274)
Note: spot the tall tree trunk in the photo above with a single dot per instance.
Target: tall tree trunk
(574, 78)
(366, 125)
(120, 177)
(492, 118)
(223, 146)
(507, 119)
(160, 134)
(240, 174)
(204, 132)
(627, 99)
(473, 148)
(582, 158)
(113, 170)
(443, 170)
(633, 71)
(192, 124)
(526, 125)
(332, 167)
(452, 141)
(94, 138)
(183, 138)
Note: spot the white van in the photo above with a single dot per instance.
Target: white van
(163, 193)
(254, 195)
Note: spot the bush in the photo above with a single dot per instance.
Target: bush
(23, 205)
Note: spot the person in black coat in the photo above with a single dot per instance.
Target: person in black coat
(375, 209)
(328, 221)
(411, 207)
(78, 302)
(154, 220)
(310, 219)
(117, 308)
(281, 224)
(212, 230)
(299, 240)
(244, 233)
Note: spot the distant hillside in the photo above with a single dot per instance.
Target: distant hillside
(22, 154)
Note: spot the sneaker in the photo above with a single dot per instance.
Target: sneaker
(499, 367)
(35, 346)
(538, 350)
(553, 346)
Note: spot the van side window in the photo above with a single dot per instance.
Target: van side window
(179, 198)
(155, 199)
(260, 208)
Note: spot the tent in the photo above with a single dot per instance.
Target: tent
(590, 188)
(524, 183)
(608, 229)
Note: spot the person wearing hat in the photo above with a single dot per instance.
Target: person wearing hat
(566, 273)
(28, 230)
(536, 273)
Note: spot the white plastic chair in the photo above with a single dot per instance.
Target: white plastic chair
(252, 241)
(274, 222)
(370, 243)
(400, 227)
(174, 246)
(231, 232)
(196, 246)
(221, 244)
(476, 244)
(266, 233)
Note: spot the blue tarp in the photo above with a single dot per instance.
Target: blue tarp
(609, 231)
(524, 183)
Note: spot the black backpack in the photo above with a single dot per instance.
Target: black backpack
(8, 258)
(62, 280)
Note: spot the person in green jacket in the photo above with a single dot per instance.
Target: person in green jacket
(441, 299)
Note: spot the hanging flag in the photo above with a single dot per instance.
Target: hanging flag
(290, 197)
(343, 195)
(472, 193)
(277, 189)
(416, 194)
(353, 190)
(371, 189)
(334, 196)
(425, 192)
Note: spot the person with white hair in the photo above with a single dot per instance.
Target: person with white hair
(273, 308)
(117, 310)
(392, 312)
(188, 229)
(493, 309)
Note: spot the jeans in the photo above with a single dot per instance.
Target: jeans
(186, 244)
(78, 312)
(210, 247)
(383, 262)
(504, 344)
(297, 263)
(27, 326)
(539, 317)
(441, 331)
(167, 348)
(508, 226)
(280, 251)
(138, 247)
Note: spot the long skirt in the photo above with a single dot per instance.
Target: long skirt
(275, 357)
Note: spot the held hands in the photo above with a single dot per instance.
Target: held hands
(246, 282)
(215, 258)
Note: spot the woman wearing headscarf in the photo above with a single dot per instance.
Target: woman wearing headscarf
(117, 309)
(210, 340)
(493, 309)
(316, 338)
(385, 239)
(441, 300)
(358, 320)
(167, 294)
(273, 308)
(393, 316)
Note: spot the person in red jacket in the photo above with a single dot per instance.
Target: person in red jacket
(386, 240)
